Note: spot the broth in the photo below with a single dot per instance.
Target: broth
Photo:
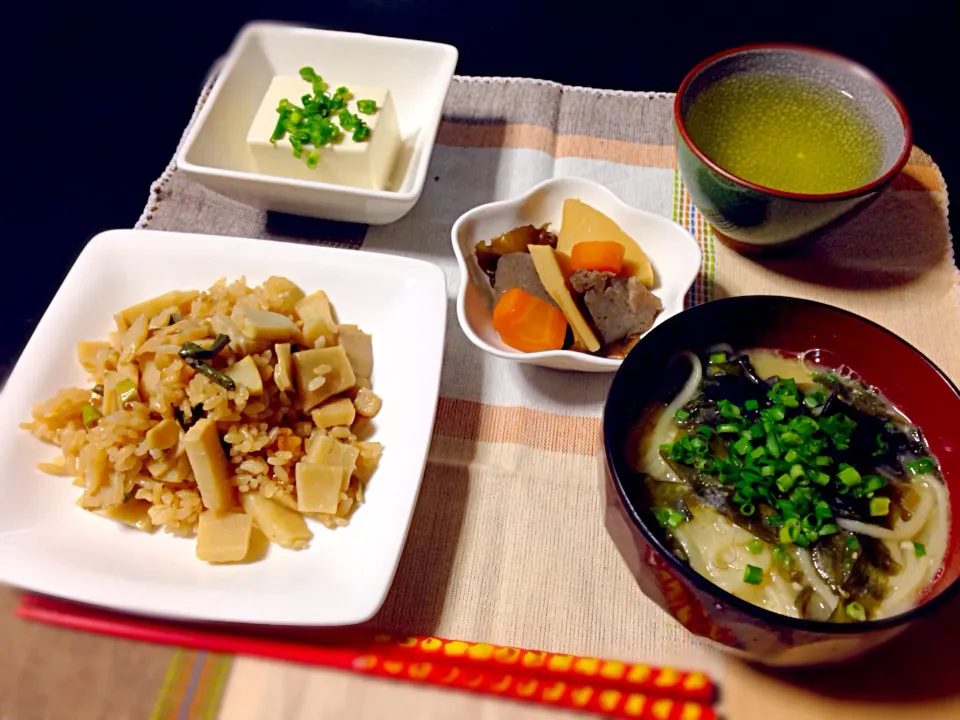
(795, 488)
(786, 133)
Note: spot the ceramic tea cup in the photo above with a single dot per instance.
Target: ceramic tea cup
(751, 216)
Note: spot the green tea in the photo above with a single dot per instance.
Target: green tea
(786, 133)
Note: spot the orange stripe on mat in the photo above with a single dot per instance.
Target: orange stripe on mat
(920, 174)
(469, 420)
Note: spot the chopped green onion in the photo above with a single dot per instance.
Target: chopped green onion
(919, 549)
(89, 414)
(791, 456)
(728, 410)
(921, 466)
(828, 529)
(718, 358)
(367, 107)
(855, 610)
(667, 517)
(747, 509)
(879, 506)
(853, 543)
(741, 446)
(820, 478)
(781, 556)
(789, 532)
(127, 391)
(784, 482)
(773, 447)
(849, 476)
(758, 453)
(872, 483)
(751, 405)
(814, 399)
(753, 575)
(705, 431)
(755, 546)
(822, 510)
(824, 460)
(681, 414)
(313, 159)
(797, 471)
(727, 428)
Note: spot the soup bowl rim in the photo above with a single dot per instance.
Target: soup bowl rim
(610, 455)
(859, 191)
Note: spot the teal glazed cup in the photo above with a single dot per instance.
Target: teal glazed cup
(753, 218)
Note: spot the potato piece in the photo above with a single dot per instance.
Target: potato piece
(318, 487)
(329, 451)
(282, 370)
(178, 298)
(163, 435)
(132, 338)
(317, 315)
(369, 459)
(90, 354)
(259, 324)
(367, 402)
(209, 465)
(335, 412)
(280, 524)
(359, 348)
(283, 294)
(247, 374)
(223, 538)
(339, 378)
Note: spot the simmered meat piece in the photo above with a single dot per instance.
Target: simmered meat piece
(619, 307)
(516, 270)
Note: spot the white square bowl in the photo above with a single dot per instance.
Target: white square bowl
(417, 73)
(49, 545)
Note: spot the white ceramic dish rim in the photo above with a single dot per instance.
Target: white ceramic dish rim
(120, 593)
(584, 358)
(232, 57)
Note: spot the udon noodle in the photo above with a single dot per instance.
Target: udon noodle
(794, 487)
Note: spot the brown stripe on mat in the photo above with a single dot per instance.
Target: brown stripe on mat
(471, 420)
(63, 675)
(920, 173)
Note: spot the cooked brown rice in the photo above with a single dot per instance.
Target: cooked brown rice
(125, 439)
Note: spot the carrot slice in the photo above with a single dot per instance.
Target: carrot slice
(601, 255)
(527, 323)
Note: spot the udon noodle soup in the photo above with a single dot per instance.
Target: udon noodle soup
(794, 487)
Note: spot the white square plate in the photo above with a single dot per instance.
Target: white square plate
(49, 545)
(416, 73)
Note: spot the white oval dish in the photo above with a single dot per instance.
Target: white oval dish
(673, 252)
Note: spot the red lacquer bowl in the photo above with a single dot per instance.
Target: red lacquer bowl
(908, 378)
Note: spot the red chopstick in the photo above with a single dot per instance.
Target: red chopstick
(592, 685)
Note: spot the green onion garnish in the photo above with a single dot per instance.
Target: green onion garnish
(718, 358)
(855, 610)
(828, 529)
(853, 543)
(919, 549)
(849, 476)
(127, 391)
(728, 428)
(755, 546)
(367, 107)
(879, 506)
(921, 466)
(751, 405)
(681, 414)
(90, 414)
(753, 575)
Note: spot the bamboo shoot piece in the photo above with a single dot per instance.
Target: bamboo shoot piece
(247, 374)
(209, 464)
(280, 524)
(223, 538)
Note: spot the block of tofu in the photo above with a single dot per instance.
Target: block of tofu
(366, 164)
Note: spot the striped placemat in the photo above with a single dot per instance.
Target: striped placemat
(507, 544)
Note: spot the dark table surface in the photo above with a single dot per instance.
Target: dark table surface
(97, 95)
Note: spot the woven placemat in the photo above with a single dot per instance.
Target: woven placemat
(513, 444)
